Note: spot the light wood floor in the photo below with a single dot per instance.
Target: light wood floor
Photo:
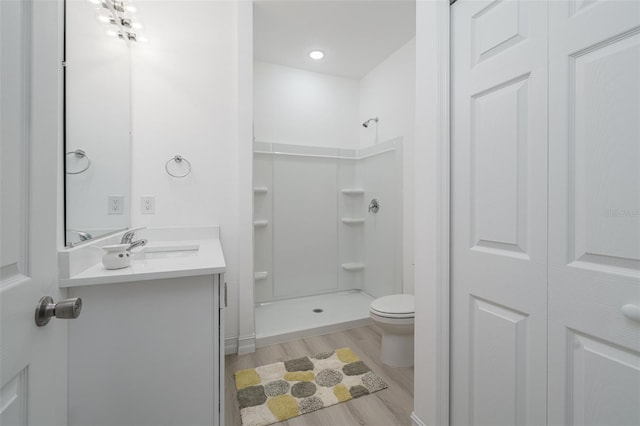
(391, 406)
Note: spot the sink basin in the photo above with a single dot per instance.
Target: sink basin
(167, 252)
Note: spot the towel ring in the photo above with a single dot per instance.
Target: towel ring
(178, 159)
(80, 154)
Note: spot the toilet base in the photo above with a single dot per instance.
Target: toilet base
(397, 349)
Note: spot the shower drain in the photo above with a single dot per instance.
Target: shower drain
(318, 310)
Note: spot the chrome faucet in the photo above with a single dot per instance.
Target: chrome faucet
(127, 238)
(139, 243)
(84, 236)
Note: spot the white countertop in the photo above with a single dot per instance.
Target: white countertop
(208, 259)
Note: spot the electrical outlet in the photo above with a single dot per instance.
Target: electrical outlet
(148, 204)
(115, 204)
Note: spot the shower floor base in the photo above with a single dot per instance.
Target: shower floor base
(291, 319)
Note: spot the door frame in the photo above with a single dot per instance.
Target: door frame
(432, 226)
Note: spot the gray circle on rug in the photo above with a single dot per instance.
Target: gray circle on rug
(303, 389)
(251, 396)
(276, 388)
(358, 391)
(299, 364)
(355, 368)
(328, 377)
(323, 355)
(372, 382)
(308, 405)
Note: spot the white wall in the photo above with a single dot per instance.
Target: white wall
(300, 107)
(388, 92)
(184, 97)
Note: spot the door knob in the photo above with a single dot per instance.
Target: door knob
(374, 206)
(632, 312)
(46, 309)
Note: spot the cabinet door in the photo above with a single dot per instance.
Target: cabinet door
(499, 210)
(594, 212)
(145, 353)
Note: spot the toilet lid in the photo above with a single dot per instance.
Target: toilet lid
(396, 304)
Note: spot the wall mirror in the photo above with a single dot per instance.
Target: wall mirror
(97, 122)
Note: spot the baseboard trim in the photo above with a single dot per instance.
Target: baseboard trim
(230, 345)
(246, 344)
(415, 420)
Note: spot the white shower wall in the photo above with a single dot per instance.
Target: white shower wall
(305, 231)
(380, 174)
(311, 237)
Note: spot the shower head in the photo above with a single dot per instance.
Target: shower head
(366, 123)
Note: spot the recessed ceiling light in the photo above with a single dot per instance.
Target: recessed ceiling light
(316, 54)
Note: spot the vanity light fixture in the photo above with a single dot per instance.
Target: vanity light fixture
(316, 55)
(119, 15)
(104, 19)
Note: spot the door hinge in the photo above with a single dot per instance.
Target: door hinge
(225, 295)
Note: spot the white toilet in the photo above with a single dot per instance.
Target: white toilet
(395, 315)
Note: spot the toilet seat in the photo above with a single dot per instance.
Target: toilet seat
(400, 306)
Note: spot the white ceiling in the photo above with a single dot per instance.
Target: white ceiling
(355, 35)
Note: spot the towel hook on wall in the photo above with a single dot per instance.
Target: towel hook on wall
(178, 159)
(78, 153)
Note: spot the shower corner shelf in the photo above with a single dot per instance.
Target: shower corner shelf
(352, 191)
(353, 220)
(260, 223)
(260, 190)
(353, 266)
(257, 276)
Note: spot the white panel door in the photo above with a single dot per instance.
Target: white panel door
(33, 363)
(594, 212)
(499, 208)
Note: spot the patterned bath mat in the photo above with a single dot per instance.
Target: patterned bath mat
(275, 392)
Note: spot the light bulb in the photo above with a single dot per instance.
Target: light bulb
(131, 8)
(137, 25)
(316, 55)
(95, 1)
(142, 39)
(103, 19)
(112, 33)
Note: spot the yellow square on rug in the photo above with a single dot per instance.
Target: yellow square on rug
(275, 392)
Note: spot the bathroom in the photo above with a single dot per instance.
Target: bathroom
(502, 244)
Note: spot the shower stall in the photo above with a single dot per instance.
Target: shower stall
(327, 236)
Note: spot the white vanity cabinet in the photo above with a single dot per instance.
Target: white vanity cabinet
(148, 353)
(149, 349)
